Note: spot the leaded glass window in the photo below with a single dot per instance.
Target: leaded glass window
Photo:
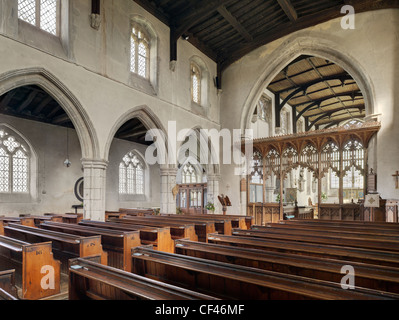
(189, 175)
(14, 164)
(40, 13)
(139, 52)
(195, 83)
(131, 175)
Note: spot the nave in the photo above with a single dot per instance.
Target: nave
(138, 255)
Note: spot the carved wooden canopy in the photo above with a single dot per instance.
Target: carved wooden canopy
(318, 138)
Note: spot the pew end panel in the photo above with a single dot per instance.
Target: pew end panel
(41, 272)
(91, 246)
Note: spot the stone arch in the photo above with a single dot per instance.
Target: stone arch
(213, 166)
(71, 105)
(142, 113)
(304, 44)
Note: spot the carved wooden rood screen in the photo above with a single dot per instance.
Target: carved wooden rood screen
(316, 174)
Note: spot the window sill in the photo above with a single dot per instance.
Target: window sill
(142, 84)
(199, 109)
(40, 39)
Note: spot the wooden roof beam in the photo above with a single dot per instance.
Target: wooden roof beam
(289, 9)
(234, 22)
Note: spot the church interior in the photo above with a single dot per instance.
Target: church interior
(199, 150)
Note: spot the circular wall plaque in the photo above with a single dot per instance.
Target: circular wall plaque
(79, 189)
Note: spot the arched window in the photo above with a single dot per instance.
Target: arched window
(131, 175)
(189, 175)
(43, 14)
(14, 164)
(195, 83)
(139, 52)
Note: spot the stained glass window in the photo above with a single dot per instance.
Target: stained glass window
(131, 175)
(40, 13)
(139, 52)
(14, 164)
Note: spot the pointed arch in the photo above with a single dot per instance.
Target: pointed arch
(146, 116)
(66, 99)
(303, 43)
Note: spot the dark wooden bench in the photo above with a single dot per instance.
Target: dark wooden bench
(177, 230)
(326, 238)
(369, 256)
(364, 234)
(368, 276)
(114, 214)
(28, 260)
(158, 237)
(222, 225)
(136, 212)
(227, 281)
(25, 221)
(339, 223)
(236, 221)
(117, 244)
(345, 229)
(92, 281)
(8, 289)
(202, 228)
(65, 246)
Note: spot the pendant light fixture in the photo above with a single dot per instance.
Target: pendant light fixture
(67, 162)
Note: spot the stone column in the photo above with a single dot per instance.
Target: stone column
(213, 181)
(94, 189)
(168, 182)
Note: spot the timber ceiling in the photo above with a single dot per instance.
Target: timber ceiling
(226, 30)
(320, 91)
(33, 103)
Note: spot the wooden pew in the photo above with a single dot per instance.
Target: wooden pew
(369, 256)
(222, 225)
(339, 223)
(158, 237)
(227, 281)
(65, 246)
(350, 229)
(117, 244)
(177, 230)
(202, 228)
(29, 261)
(1, 228)
(8, 290)
(72, 217)
(25, 221)
(114, 214)
(368, 276)
(236, 221)
(306, 236)
(136, 212)
(89, 280)
(365, 234)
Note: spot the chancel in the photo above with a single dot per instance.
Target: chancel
(199, 150)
